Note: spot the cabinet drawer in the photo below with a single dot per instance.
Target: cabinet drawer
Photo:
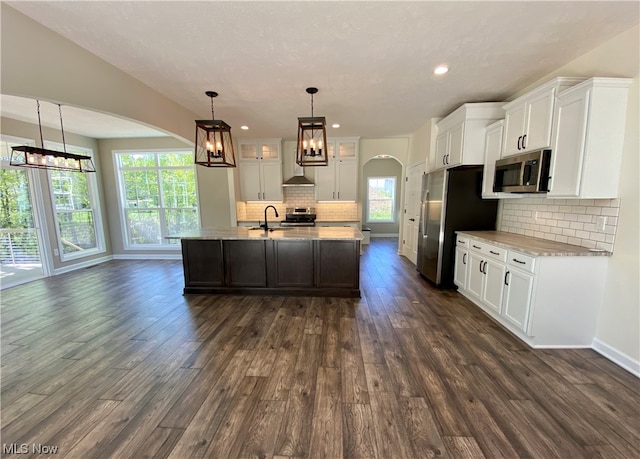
(462, 241)
(521, 261)
(488, 250)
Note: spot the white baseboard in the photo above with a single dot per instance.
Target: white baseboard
(150, 256)
(83, 264)
(384, 234)
(617, 357)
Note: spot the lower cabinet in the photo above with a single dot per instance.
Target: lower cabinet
(277, 267)
(547, 301)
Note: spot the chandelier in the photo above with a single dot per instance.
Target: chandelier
(311, 147)
(214, 147)
(41, 158)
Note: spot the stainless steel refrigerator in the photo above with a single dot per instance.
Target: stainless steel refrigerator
(450, 201)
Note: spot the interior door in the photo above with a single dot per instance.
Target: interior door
(412, 212)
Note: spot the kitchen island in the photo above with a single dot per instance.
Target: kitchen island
(305, 261)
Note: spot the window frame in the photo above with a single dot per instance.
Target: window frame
(124, 226)
(94, 199)
(393, 199)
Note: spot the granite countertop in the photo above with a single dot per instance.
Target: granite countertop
(279, 233)
(532, 245)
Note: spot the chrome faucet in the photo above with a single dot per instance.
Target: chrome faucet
(266, 226)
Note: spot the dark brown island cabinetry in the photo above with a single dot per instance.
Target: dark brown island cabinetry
(272, 267)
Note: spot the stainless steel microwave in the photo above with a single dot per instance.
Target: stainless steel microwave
(526, 173)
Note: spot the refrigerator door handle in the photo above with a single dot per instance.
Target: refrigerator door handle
(425, 215)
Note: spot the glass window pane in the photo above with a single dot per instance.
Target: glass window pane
(141, 189)
(144, 227)
(175, 159)
(381, 198)
(15, 200)
(179, 188)
(77, 231)
(137, 160)
(181, 220)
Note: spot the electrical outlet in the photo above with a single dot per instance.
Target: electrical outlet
(601, 222)
(56, 252)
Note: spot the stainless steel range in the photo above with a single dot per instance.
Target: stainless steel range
(300, 216)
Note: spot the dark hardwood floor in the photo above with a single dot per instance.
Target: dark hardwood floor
(114, 362)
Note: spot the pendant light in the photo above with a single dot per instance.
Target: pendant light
(311, 147)
(41, 158)
(214, 146)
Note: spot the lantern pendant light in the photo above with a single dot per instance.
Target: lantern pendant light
(41, 158)
(214, 146)
(311, 147)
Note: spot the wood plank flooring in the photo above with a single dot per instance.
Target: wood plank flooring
(114, 362)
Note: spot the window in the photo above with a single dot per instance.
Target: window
(158, 197)
(381, 198)
(76, 208)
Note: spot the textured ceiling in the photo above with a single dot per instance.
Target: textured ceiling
(372, 61)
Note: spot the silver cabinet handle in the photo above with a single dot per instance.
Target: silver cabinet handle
(338, 195)
(334, 195)
(258, 195)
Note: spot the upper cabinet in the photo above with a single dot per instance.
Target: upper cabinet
(460, 138)
(588, 139)
(260, 169)
(338, 181)
(528, 120)
(492, 152)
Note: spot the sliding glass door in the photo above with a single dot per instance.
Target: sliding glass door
(20, 237)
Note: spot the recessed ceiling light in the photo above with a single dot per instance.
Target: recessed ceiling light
(441, 70)
(335, 125)
(244, 128)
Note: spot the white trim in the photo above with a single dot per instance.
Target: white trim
(384, 234)
(153, 256)
(84, 264)
(120, 190)
(618, 357)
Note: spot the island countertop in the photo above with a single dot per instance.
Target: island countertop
(275, 233)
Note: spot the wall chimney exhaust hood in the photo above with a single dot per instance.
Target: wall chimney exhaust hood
(298, 178)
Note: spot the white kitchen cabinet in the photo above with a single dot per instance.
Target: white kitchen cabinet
(492, 153)
(485, 274)
(588, 139)
(460, 137)
(528, 120)
(546, 301)
(338, 181)
(460, 274)
(260, 170)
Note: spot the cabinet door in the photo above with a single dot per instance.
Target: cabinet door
(475, 275)
(493, 285)
(202, 262)
(347, 180)
(568, 149)
(518, 298)
(346, 149)
(492, 150)
(294, 263)
(250, 189)
(270, 151)
(326, 182)
(248, 151)
(442, 143)
(245, 263)
(456, 144)
(337, 264)
(460, 272)
(539, 117)
(271, 180)
(514, 125)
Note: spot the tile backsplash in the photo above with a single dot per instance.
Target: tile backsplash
(588, 223)
(299, 196)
